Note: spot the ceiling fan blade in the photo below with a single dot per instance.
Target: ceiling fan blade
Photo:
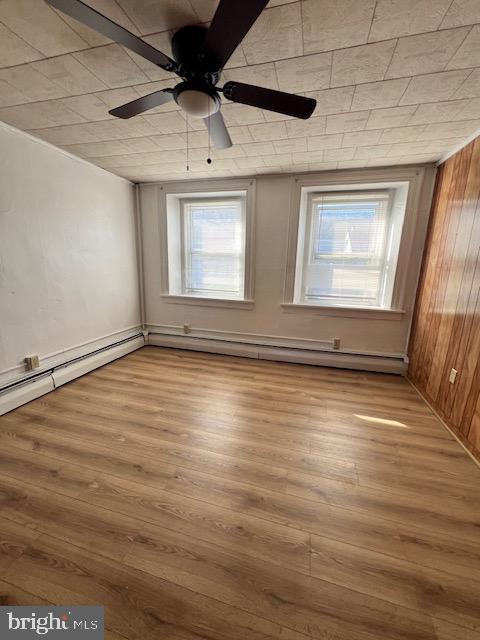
(230, 24)
(279, 101)
(90, 17)
(142, 104)
(218, 131)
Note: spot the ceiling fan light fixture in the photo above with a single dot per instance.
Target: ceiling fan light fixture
(198, 104)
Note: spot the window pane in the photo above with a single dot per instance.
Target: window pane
(215, 274)
(215, 228)
(214, 248)
(347, 248)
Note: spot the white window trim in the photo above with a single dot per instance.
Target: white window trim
(411, 241)
(209, 188)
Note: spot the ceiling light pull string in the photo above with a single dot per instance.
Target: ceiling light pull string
(186, 120)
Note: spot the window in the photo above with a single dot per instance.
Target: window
(213, 255)
(207, 239)
(347, 249)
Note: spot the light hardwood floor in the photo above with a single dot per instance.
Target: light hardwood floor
(203, 497)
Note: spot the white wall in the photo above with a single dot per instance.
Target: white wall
(68, 272)
(268, 318)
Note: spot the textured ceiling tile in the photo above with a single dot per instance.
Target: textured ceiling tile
(301, 128)
(240, 134)
(10, 95)
(333, 25)
(468, 55)
(375, 95)
(332, 100)
(276, 26)
(14, 50)
(437, 112)
(449, 130)
(308, 73)
(70, 74)
(259, 149)
(32, 83)
(116, 97)
(41, 115)
(112, 66)
(434, 87)
(407, 148)
(97, 149)
(470, 110)
(268, 131)
(116, 129)
(366, 63)
(36, 23)
(152, 16)
(140, 145)
(471, 86)
(353, 121)
(360, 138)
(89, 106)
(162, 42)
(171, 122)
(462, 12)
(392, 117)
(277, 160)
(352, 164)
(329, 141)
(170, 141)
(394, 18)
(260, 74)
(293, 145)
(108, 8)
(377, 151)
(237, 114)
(344, 153)
(248, 162)
(401, 134)
(426, 53)
(67, 135)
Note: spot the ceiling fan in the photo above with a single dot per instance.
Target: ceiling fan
(199, 53)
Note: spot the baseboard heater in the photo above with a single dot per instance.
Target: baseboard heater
(19, 392)
(317, 357)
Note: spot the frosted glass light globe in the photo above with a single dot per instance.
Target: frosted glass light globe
(197, 103)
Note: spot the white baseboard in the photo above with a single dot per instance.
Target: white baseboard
(324, 358)
(28, 390)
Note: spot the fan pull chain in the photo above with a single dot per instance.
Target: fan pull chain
(209, 160)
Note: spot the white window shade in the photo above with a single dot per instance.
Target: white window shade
(213, 247)
(346, 248)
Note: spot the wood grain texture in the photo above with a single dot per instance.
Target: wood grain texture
(204, 497)
(446, 327)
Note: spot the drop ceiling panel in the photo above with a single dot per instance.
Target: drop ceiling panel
(396, 81)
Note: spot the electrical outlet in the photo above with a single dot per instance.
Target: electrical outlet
(186, 328)
(32, 362)
(336, 343)
(452, 376)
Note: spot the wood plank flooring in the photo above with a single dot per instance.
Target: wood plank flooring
(203, 497)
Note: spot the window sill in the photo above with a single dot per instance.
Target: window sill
(374, 313)
(208, 302)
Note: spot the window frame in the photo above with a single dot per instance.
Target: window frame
(170, 259)
(185, 223)
(308, 250)
(408, 245)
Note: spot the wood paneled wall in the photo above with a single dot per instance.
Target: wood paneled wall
(446, 328)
